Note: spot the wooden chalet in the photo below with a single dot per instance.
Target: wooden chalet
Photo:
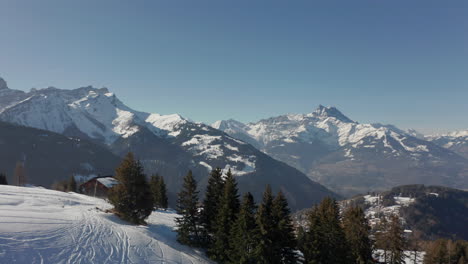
(98, 186)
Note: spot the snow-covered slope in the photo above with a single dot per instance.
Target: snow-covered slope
(455, 141)
(327, 125)
(347, 156)
(45, 226)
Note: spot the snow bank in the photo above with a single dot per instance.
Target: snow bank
(45, 226)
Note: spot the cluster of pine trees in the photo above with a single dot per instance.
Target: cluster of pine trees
(134, 198)
(332, 238)
(233, 230)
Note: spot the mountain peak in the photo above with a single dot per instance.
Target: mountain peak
(226, 124)
(3, 84)
(331, 111)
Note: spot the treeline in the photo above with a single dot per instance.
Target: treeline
(233, 230)
(445, 251)
(19, 178)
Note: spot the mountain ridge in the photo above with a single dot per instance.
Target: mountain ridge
(335, 150)
(165, 144)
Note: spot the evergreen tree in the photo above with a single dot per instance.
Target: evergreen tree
(159, 191)
(163, 201)
(71, 186)
(132, 197)
(187, 207)
(227, 215)
(244, 236)
(3, 179)
(325, 240)
(396, 241)
(213, 194)
(357, 231)
(285, 240)
(264, 251)
(311, 240)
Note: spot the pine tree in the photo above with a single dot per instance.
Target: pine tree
(132, 197)
(213, 194)
(312, 239)
(154, 186)
(3, 179)
(163, 201)
(396, 241)
(159, 191)
(227, 215)
(325, 240)
(71, 186)
(285, 240)
(357, 231)
(187, 207)
(244, 236)
(264, 251)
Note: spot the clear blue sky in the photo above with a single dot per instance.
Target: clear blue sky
(390, 61)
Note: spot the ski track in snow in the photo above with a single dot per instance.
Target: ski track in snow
(44, 226)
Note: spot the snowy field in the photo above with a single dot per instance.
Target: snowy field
(44, 226)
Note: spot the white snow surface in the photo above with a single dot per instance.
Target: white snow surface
(45, 226)
(108, 181)
(95, 112)
(326, 124)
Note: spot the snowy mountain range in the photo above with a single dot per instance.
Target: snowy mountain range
(166, 144)
(455, 141)
(350, 157)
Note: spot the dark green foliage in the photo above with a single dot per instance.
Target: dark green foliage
(132, 197)
(244, 235)
(71, 185)
(159, 191)
(264, 251)
(3, 179)
(187, 207)
(285, 240)
(226, 217)
(357, 231)
(213, 194)
(163, 202)
(325, 242)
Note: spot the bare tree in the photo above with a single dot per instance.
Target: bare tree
(20, 174)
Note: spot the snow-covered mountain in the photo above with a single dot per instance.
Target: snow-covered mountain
(167, 144)
(348, 156)
(455, 141)
(45, 226)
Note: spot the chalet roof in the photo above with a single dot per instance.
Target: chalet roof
(108, 181)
